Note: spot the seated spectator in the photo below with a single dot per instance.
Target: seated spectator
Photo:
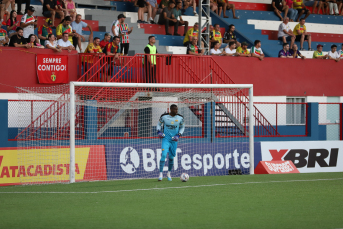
(71, 9)
(192, 48)
(318, 54)
(28, 22)
(142, 8)
(314, 4)
(284, 53)
(62, 6)
(18, 40)
(51, 43)
(167, 18)
(217, 36)
(225, 5)
(163, 3)
(301, 35)
(216, 51)
(51, 10)
(243, 50)
(340, 52)
(230, 49)
(65, 43)
(301, 8)
(340, 4)
(12, 24)
(152, 10)
(3, 37)
(211, 40)
(333, 55)
(293, 13)
(295, 52)
(285, 32)
(4, 4)
(34, 42)
(214, 6)
(177, 15)
(279, 6)
(105, 42)
(332, 5)
(188, 3)
(44, 31)
(64, 27)
(27, 5)
(77, 26)
(231, 36)
(191, 33)
(256, 50)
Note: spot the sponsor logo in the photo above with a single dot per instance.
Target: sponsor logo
(129, 160)
(284, 167)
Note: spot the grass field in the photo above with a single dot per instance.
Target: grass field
(259, 201)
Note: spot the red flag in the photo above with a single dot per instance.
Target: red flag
(52, 69)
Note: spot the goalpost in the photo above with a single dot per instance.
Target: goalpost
(219, 126)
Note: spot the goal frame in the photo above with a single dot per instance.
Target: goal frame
(73, 84)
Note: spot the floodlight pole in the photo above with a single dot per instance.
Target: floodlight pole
(203, 35)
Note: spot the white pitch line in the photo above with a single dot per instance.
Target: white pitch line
(151, 189)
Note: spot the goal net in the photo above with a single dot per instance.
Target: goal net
(106, 131)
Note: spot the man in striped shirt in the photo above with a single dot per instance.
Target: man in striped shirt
(122, 30)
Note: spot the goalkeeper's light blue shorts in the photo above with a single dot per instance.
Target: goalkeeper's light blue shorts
(168, 146)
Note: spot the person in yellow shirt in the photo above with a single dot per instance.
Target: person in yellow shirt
(243, 50)
(192, 32)
(302, 35)
(217, 36)
(301, 8)
(319, 53)
(65, 27)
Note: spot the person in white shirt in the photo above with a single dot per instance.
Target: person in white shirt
(256, 50)
(333, 55)
(216, 51)
(64, 43)
(285, 32)
(28, 22)
(230, 49)
(340, 52)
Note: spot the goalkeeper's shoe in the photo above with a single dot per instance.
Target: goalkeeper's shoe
(169, 177)
(160, 178)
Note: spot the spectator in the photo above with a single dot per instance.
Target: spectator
(19, 3)
(94, 46)
(77, 26)
(301, 8)
(50, 9)
(188, 3)
(167, 18)
(177, 15)
(150, 61)
(190, 34)
(285, 32)
(230, 49)
(314, 3)
(333, 55)
(231, 36)
(284, 53)
(142, 8)
(211, 40)
(243, 50)
(4, 4)
(18, 40)
(29, 22)
(217, 36)
(71, 9)
(62, 6)
(105, 42)
(332, 7)
(278, 7)
(12, 24)
(256, 50)
(64, 27)
(152, 10)
(340, 4)
(295, 52)
(34, 42)
(51, 43)
(225, 5)
(65, 43)
(3, 37)
(214, 6)
(192, 48)
(293, 13)
(340, 52)
(163, 4)
(216, 51)
(113, 48)
(301, 35)
(44, 31)
(122, 30)
(318, 54)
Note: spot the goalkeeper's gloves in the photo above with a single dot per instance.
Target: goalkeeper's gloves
(176, 137)
(160, 134)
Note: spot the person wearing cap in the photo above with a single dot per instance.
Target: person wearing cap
(319, 53)
(294, 51)
(44, 31)
(122, 30)
(28, 22)
(105, 42)
(301, 35)
(230, 35)
(243, 50)
(190, 34)
(192, 48)
(50, 9)
(340, 52)
(77, 26)
(284, 52)
(333, 55)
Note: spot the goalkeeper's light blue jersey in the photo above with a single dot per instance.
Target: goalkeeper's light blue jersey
(171, 125)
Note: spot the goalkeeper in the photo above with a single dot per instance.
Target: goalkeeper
(173, 128)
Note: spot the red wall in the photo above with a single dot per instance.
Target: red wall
(290, 77)
(18, 67)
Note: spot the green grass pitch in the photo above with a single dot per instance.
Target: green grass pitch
(257, 201)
